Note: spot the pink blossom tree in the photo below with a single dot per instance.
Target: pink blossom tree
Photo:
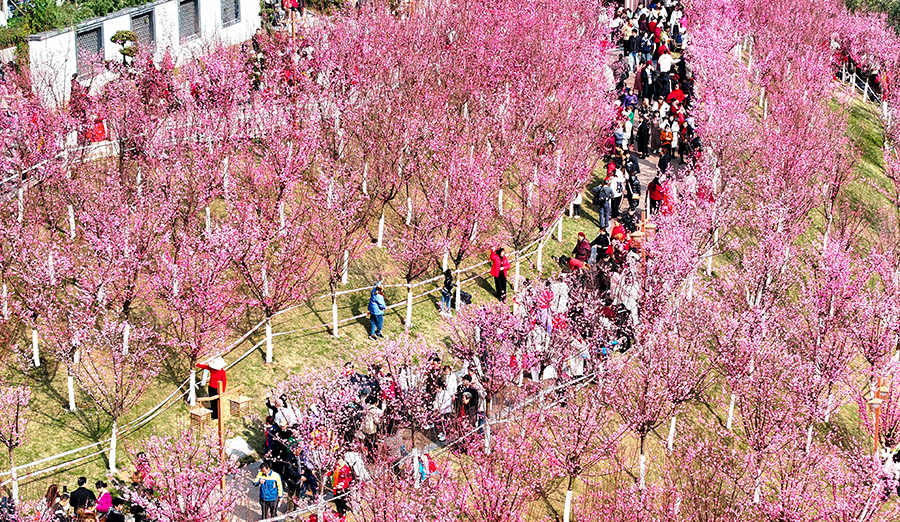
(13, 424)
(115, 366)
(185, 479)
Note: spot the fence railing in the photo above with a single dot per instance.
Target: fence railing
(182, 392)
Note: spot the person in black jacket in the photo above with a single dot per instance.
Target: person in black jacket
(643, 138)
(82, 496)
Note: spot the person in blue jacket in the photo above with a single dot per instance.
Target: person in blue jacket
(377, 307)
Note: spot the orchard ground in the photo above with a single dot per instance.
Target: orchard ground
(53, 429)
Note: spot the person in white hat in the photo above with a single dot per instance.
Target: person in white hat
(216, 369)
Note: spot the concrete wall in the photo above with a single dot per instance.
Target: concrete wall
(54, 58)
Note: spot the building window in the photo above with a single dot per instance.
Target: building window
(88, 45)
(142, 26)
(188, 19)
(231, 12)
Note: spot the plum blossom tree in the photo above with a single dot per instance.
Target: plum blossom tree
(13, 425)
(114, 368)
(184, 479)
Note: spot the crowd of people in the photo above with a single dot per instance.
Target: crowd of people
(79, 505)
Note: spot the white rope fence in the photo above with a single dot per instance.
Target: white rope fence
(184, 388)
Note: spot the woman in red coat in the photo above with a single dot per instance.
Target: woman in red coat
(341, 479)
(499, 266)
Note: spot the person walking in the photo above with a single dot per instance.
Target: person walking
(499, 267)
(377, 306)
(643, 138)
(216, 368)
(270, 490)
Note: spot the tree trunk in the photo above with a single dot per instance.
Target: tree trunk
(540, 256)
(268, 341)
(487, 426)
(126, 332)
(71, 222)
(345, 272)
(458, 289)
(334, 314)
(70, 385)
(672, 432)
(559, 230)
(381, 230)
(14, 474)
(192, 392)
(112, 446)
(36, 356)
(409, 303)
(568, 508)
(642, 463)
(500, 202)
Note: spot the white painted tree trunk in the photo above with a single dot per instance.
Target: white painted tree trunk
(71, 222)
(381, 230)
(15, 484)
(828, 409)
(559, 230)
(36, 356)
(21, 215)
(500, 202)
(809, 436)
(192, 391)
(51, 269)
(409, 211)
(139, 184)
(334, 316)
(540, 256)
(365, 182)
(445, 261)
(568, 509)
(671, 440)
(70, 386)
(642, 464)
(709, 259)
(268, 341)
(208, 222)
(112, 447)
(516, 280)
(225, 180)
(345, 275)
(409, 303)
(731, 412)
(5, 301)
(458, 290)
(126, 332)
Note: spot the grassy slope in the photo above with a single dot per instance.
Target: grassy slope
(54, 430)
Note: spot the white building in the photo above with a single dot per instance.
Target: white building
(185, 27)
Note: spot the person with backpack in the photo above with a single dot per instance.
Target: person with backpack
(602, 198)
(270, 490)
(447, 293)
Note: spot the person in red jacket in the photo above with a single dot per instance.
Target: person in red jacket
(341, 478)
(676, 94)
(499, 266)
(216, 369)
(655, 193)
